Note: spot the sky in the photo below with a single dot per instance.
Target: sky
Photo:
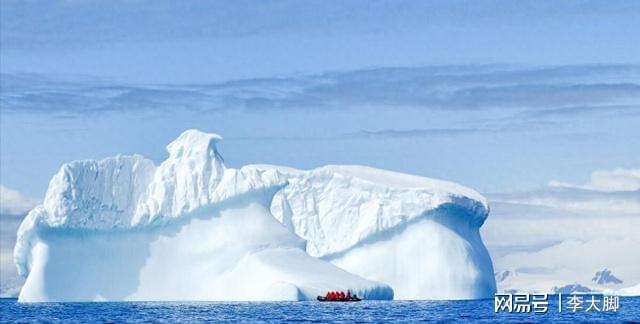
(510, 98)
(200, 41)
(498, 95)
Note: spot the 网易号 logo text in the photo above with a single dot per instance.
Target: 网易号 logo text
(539, 303)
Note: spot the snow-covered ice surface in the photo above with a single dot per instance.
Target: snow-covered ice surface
(417, 234)
(192, 229)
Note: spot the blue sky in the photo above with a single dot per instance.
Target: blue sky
(200, 41)
(498, 95)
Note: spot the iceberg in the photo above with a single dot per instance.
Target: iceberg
(419, 235)
(631, 291)
(192, 229)
(189, 229)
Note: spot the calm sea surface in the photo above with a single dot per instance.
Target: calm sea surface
(369, 311)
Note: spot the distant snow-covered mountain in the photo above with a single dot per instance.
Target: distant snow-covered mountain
(605, 277)
(570, 289)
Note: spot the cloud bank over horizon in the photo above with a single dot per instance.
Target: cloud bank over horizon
(535, 93)
(13, 202)
(607, 180)
(563, 235)
(13, 207)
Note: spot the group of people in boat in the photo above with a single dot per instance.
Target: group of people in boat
(340, 296)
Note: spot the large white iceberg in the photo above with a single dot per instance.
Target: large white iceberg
(192, 229)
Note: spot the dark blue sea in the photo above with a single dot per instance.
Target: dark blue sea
(366, 311)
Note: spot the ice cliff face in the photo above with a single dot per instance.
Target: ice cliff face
(419, 235)
(192, 229)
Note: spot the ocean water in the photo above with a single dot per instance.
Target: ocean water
(366, 311)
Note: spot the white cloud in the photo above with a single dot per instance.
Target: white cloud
(10, 281)
(13, 202)
(609, 193)
(512, 230)
(567, 232)
(607, 180)
(590, 206)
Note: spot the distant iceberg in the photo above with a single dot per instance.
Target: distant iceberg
(192, 229)
(628, 291)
